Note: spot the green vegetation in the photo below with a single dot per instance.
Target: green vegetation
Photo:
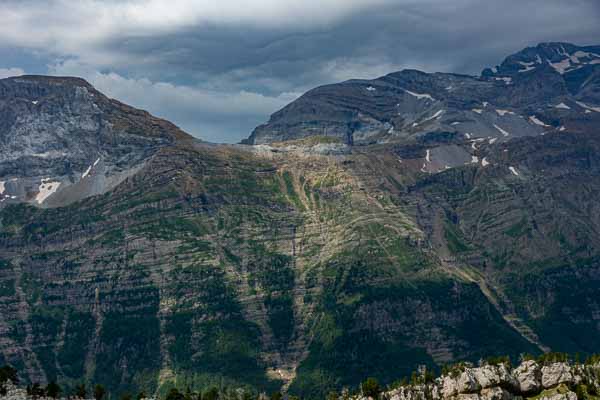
(370, 388)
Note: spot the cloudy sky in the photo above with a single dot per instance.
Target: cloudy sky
(219, 68)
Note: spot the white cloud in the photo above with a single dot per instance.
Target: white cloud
(8, 72)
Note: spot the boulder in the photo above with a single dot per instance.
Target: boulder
(495, 375)
(465, 383)
(557, 373)
(529, 377)
(496, 393)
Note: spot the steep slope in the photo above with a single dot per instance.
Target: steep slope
(214, 264)
(61, 140)
(311, 262)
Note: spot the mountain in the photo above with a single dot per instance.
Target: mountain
(61, 140)
(538, 90)
(374, 226)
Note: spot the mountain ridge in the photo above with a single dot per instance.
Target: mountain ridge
(307, 263)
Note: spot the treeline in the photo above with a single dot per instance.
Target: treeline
(370, 387)
(52, 389)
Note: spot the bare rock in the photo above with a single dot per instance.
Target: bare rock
(465, 383)
(529, 377)
(557, 373)
(495, 375)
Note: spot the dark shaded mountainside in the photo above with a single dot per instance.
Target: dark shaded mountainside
(412, 219)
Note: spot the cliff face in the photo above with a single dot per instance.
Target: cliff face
(304, 265)
(61, 140)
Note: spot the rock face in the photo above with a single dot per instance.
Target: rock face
(501, 383)
(306, 265)
(61, 140)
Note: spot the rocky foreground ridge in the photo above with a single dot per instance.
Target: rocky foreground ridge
(531, 379)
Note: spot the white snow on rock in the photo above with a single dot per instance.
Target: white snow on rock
(588, 108)
(493, 140)
(477, 110)
(485, 104)
(485, 162)
(562, 129)
(514, 171)
(86, 173)
(455, 123)
(34, 102)
(562, 106)
(468, 135)
(434, 116)
(46, 189)
(428, 156)
(474, 160)
(502, 131)
(420, 95)
(2, 187)
(89, 169)
(528, 66)
(371, 89)
(507, 80)
(502, 113)
(536, 121)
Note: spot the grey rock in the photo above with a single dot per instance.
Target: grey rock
(529, 377)
(557, 373)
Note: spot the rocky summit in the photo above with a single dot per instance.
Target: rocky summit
(369, 227)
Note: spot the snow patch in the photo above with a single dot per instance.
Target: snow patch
(420, 95)
(485, 162)
(89, 169)
(434, 116)
(477, 110)
(474, 160)
(502, 131)
(507, 80)
(34, 102)
(514, 171)
(502, 113)
(528, 66)
(562, 129)
(589, 108)
(2, 187)
(46, 189)
(493, 140)
(428, 156)
(536, 121)
(371, 89)
(485, 104)
(562, 106)
(468, 135)
(455, 123)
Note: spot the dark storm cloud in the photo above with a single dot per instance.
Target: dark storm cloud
(218, 70)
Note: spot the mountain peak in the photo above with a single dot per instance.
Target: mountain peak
(561, 57)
